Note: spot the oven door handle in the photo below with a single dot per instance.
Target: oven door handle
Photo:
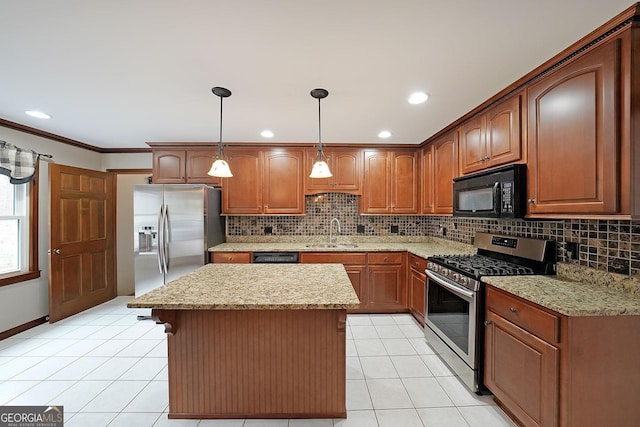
(452, 288)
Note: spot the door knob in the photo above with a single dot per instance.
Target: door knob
(531, 200)
(487, 323)
(55, 251)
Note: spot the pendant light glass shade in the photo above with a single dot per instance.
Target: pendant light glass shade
(220, 167)
(320, 167)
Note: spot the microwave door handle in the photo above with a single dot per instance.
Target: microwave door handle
(497, 200)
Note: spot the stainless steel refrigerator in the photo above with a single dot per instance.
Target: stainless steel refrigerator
(174, 225)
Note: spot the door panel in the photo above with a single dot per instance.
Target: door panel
(82, 240)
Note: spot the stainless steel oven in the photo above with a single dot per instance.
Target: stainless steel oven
(452, 323)
(455, 296)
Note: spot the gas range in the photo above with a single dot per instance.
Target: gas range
(497, 255)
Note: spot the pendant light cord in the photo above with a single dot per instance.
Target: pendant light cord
(220, 149)
(320, 153)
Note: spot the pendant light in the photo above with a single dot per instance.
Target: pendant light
(220, 167)
(320, 167)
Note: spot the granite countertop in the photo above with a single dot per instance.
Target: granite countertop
(569, 297)
(424, 250)
(255, 287)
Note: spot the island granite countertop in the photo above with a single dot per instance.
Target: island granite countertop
(255, 287)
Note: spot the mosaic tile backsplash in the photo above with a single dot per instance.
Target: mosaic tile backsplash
(607, 245)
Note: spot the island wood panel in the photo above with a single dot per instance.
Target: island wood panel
(256, 363)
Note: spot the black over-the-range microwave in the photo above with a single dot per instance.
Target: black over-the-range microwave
(498, 193)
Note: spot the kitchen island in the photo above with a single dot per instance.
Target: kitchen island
(255, 340)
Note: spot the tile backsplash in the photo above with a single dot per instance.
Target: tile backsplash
(607, 245)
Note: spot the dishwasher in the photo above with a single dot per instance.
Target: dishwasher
(275, 258)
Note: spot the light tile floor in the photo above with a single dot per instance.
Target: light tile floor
(108, 368)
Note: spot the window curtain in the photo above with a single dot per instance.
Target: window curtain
(17, 163)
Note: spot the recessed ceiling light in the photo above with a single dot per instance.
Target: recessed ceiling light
(384, 134)
(38, 114)
(418, 97)
(266, 134)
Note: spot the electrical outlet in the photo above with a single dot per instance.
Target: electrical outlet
(360, 229)
(268, 230)
(394, 229)
(444, 231)
(572, 249)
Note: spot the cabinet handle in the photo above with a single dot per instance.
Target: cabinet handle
(487, 158)
(513, 309)
(385, 259)
(481, 159)
(488, 323)
(530, 201)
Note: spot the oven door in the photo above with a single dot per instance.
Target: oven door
(451, 314)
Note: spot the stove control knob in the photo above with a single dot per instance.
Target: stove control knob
(464, 280)
(444, 271)
(431, 266)
(455, 276)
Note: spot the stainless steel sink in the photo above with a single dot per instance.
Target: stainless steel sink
(331, 245)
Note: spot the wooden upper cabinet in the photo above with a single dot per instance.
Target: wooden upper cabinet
(263, 182)
(493, 138)
(282, 193)
(390, 182)
(198, 165)
(169, 166)
(426, 179)
(573, 136)
(346, 167)
(404, 182)
(242, 193)
(445, 168)
(376, 194)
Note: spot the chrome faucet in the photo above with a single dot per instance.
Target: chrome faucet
(331, 229)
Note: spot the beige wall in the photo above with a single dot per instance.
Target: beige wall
(125, 233)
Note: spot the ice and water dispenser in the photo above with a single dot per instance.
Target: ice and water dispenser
(147, 238)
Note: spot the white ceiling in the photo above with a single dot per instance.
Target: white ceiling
(119, 73)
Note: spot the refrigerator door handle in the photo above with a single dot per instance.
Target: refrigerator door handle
(165, 239)
(160, 215)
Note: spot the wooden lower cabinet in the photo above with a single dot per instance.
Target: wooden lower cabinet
(230, 257)
(522, 372)
(548, 369)
(377, 277)
(417, 283)
(386, 282)
(355, 263)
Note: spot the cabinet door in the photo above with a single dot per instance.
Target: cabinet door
(473, 154)
(445, 169)
(503, 136)
(376, 196)
(169, 166)
(198, 165)
(242, 193)
(347, 170)
(417, 294)
(346, 167)
(427, 179)
(404, 183)
(522, 371)
(384, 288)
(573, 136)
(357, 275)
(283, 182)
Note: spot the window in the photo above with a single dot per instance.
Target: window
(18, 231)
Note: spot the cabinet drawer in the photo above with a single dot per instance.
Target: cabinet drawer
(345, 258)
(516, 310)
(232, 257)
(417, 263)
(385, 258)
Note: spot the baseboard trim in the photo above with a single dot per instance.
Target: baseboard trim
(21, 328)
